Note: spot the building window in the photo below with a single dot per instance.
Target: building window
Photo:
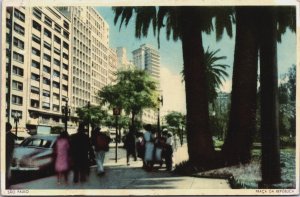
(18, 71)
(66, 34)
(46, 81)
(47, 33)
(57, 39)
(55, 108)
(46, 93)
(47, 57)
(65, 66)
(18, 57)
(36, 51)
(19, 29)
(35, 77)
(47, 45)
(56, 51)
(34, 103)
(65, 56)
(57, 28)
(56, 84)
(48, 21)
(19, 15)
(18, 43)
(65, 77)
(56, 96)
(16, 85)
(65, 87)
(37, 13)
(46, 69)
(36, 39)
(35, 64)
(56, 73)
(17, 100)
(36, 25)
(65, 45)
(66, 25)
(34, 90)
(56, 62)
(45, 105)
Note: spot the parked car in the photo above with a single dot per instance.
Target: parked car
(35, 153)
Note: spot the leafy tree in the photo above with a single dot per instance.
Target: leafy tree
(187, 24)
(177, 120)
(134, 91)
(93, 115)
(292, 82)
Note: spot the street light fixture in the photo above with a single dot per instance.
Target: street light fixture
(161, 101)
(67, 112)
(16, 120)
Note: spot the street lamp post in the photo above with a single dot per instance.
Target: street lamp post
(66, 113)
(160, 100)
(16, 119)
(89, 117)
(116, 113)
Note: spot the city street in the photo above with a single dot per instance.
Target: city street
(120, 176)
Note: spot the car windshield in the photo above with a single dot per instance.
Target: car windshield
(36, 142)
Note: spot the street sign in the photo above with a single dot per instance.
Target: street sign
(116, 111)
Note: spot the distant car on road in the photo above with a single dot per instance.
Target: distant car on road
(35, 153)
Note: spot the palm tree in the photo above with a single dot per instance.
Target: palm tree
(215, 73)
(242, 116)
(187, 24)
(273, 23)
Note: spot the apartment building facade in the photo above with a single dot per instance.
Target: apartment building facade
(37, 65)
(54, 55)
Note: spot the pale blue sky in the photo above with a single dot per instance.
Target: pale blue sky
(171, 52)
(171, 56)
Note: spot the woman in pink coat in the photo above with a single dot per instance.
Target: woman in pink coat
(62, 152)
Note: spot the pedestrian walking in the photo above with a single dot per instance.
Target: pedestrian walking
(100, 142)
(169, 151)
(160, 142)
(140, 147)
(10, 144)
(80, 147)
(130, 142)
(62, 157)
(149, 147)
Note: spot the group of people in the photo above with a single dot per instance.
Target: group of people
(152, 147)
(76, 152)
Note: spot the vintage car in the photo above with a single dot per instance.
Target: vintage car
(35, 153)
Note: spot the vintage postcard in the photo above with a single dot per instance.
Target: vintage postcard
(149, 97)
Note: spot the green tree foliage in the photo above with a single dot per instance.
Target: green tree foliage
(292, 82)
(178, 121)
(134, 91)
(93, 115)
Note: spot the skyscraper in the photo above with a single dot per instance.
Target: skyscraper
(147, 58)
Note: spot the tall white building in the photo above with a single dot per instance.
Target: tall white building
(37, 66)
(54, 54)
(90, 46)
(147, 58)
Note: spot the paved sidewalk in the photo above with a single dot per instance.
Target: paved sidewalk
(120, 176)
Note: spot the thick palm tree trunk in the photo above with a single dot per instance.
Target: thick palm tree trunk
(242, 120)
(270, 163)
(200, 145)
